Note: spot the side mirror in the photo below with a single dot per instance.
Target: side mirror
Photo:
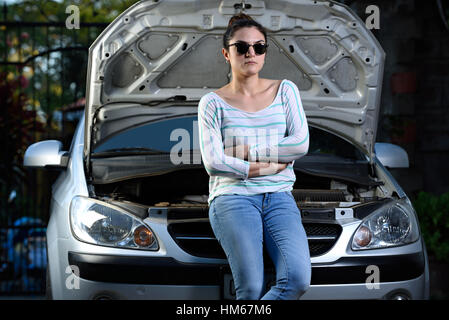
(46, 154)
(391, 155)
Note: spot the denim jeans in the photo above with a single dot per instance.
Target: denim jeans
(243, 224)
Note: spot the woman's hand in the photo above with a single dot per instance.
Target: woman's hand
(256, 168)
(282, 166)
(240, 151)
(265, 168)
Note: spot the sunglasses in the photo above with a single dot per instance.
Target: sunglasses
(243, 47)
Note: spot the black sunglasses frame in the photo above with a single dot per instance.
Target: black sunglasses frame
(243, 47)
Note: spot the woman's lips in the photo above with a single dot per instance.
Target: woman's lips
(250, 62)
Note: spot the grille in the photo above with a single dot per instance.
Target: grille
(197, 238)
(321, 237)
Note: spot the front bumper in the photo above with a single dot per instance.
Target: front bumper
(102, 290)
(133, 277)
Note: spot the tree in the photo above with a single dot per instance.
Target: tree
(42, 68)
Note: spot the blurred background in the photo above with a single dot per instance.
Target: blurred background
(42, 88)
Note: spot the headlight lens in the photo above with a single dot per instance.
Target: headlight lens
(99, 223)
(391, 225)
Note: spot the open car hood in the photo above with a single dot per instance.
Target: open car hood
(157, 50)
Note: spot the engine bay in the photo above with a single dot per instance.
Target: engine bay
(188, 188)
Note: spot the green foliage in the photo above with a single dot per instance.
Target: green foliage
(43, 69)
(433, 213)
(17, 126)
(55, 11)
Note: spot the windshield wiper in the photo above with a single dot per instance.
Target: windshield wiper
(177, 98)
(173, 98)
(127, 151)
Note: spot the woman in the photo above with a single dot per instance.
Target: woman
(251, 174)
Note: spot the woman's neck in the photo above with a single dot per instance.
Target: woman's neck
(245, 86)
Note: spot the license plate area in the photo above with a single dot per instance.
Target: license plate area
(228, 286)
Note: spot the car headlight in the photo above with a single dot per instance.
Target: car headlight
(100, 223)
(391, 225)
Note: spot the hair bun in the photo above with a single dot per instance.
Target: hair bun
(238, 17)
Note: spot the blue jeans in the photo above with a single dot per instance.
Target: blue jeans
(243, 224)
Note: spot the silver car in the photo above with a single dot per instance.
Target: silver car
(129, 212)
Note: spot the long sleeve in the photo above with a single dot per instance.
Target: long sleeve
(216, 162)
(296, 144)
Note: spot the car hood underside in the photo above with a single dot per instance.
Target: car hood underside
(170, 51)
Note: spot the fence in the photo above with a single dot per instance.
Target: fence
(42, 85)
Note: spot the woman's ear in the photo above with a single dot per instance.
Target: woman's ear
(225, 54)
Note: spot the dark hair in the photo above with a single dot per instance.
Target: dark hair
(237, 22)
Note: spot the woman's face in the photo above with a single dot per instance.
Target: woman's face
(240, 62)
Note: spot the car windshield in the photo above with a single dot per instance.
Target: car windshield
(326, 144)
(155, 137)
(181, 135)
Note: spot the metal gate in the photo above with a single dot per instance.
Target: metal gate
(42, 86)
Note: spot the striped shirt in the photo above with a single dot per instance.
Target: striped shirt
(277, 133)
